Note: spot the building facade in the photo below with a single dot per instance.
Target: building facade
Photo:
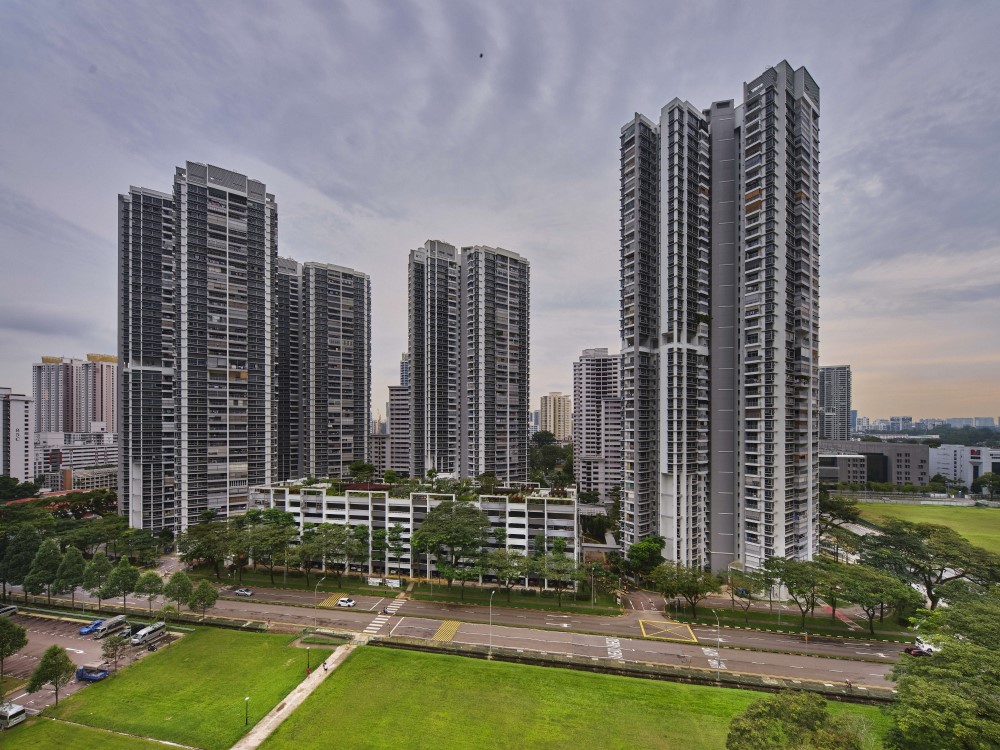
(494, 295)
(597, 422)
(894, 463)
(17, 452)
(399, 429)
(336, 368)
(196, 346)
(720, 323)
(835, 403)
(556, 416)
(963, 463)
(288, 346)
(75, 395)
(433, 302)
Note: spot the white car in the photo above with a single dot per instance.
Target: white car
(243, 592)
(345, 601)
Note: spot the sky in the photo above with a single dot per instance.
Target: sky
(379, 125)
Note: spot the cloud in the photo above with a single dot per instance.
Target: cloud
(377, 125)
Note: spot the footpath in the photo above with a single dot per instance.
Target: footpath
(263, 729)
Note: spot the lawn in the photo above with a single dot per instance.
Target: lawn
(193, 692)
(42, 733)
(981, 526)
(481, 595)
(415, 700)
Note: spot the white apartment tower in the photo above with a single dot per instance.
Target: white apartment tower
(720, 324)
(494, 294)
(17, 417)
(468, 361)
(835, 402)
(597, 422)
(556, 416)
(196, 346)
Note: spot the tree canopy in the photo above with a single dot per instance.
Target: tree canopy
(454, 531)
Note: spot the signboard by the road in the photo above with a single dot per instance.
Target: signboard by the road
(374, 581)
(392, 583)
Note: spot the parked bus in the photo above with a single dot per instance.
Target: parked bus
(149, 634)
(11, 714)
(7, 611)
(109, 626)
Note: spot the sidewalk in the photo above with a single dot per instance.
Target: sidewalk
(263, 729)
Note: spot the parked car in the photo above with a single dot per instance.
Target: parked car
(89, 629)
(345, 601)
(917, 651)
(243, 592)
(91, 672)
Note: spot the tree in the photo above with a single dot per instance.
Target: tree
(361, 471)
(178, 588)
(12, 639)
(646, 554)
(207, 542)
(487, 482)
(792, 720)
(948, 701)
(357, 544)
(453, 531)
(44, 569)
(394, 543)
(114, 647)
(560, 568)
(802, 580)
(122, 581)
(149, 585)
(875, 590)
(95, 576)
(988, 482)
(746, 587)
(692, 584)
(12, 489)
(542, 438)
(203, 597)
(20, 554)
(837, 511)
(70, 573)
(929, 556)
(331, 543)
(391, 476)
(508, 567)
(54, 668)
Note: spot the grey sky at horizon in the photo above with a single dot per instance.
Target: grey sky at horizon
(378, 126)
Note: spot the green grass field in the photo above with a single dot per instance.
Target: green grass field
(193, 691)
(36, 734)
(415, 700)
(981, 526)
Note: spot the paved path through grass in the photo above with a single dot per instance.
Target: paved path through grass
(262, 730)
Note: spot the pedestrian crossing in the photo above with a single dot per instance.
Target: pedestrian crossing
(446, 631)
(382, 619)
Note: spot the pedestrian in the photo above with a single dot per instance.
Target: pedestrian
(850, 685)
(325, 668)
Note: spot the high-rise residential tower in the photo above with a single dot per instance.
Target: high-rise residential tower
(556, 416)
(835, 402)
(75, 395)
(468, 361)
(597, 422)
(288, 345)
(434, 311)
(494, 299)
(196, 346)
(720, 324)
(17, 455)
(336, 368)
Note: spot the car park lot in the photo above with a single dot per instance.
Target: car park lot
(45, 631)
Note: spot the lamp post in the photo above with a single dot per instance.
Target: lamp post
(490, 655)
(718, 647)
(246, 711)
(308, 662)
(315, 592)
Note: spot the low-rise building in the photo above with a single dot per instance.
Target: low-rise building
(895, 463)
(517, 518)
(964, 463)
(835, 468)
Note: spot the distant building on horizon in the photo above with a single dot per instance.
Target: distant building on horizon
(556, 416)
(17, 451)
(75, 395)
(835, 402)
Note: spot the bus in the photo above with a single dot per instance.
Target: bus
(109, 626)
(149, 634)
(11, 714)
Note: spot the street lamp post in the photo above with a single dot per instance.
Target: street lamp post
(490, 656)
(315, 592)
(718, 647)
(308, 662)
(246, 711)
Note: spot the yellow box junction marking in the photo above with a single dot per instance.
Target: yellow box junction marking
(331, 601)
(446, 631)
(667, 631)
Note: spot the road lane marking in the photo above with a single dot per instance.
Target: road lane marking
(446, 631)
(614, 649)
(667, 631)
